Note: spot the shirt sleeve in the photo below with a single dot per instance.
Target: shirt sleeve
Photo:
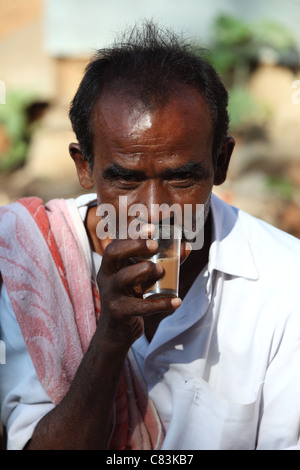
(23, 400)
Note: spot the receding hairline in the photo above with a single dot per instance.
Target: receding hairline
(114, 120)
(128, 96)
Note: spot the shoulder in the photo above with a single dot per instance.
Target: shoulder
(275, 253)
(263, 238)
(268, 241)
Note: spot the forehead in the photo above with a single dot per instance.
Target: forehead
(123, 115)
(124, 127)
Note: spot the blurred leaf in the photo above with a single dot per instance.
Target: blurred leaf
(243, 109)
(223, 60)
(230, 31)
(272, 34)
(15, 157)
(282, 186)
(14, 120)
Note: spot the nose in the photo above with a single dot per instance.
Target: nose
(156, 200)
(149, 197)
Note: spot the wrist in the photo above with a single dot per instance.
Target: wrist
(111, 343)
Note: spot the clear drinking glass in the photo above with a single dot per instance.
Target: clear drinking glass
(168, 255)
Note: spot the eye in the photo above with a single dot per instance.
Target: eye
(183, 180)
(127, 182)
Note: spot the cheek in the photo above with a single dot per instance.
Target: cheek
(195, 208)
(106, 193)
(199, 194)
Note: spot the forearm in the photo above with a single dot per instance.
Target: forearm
(84, 419)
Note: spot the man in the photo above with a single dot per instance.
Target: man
(217, 368)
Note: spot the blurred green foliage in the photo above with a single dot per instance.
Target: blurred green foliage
(281, 186)
(236, 49)
(13, 120)
(244, 110)
(236, 44)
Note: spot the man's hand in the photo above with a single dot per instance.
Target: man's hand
(84, 418)
(122, 305)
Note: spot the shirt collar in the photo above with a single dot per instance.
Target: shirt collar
(230, 251)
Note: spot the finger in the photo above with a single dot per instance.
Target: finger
(148, 230)
(150, 306)
(144, 272)
(120, 250)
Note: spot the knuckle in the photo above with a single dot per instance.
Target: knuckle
(119, 280)
(149, 266)
(112, 306)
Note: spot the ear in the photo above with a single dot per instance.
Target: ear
(222, 161)
(82, 167)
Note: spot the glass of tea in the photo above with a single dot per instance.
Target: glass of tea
(168, 238)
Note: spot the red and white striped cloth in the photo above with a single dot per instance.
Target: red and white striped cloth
(57, 306)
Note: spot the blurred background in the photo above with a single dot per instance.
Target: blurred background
(255, 46)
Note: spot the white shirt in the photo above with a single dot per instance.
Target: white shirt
(224, 370)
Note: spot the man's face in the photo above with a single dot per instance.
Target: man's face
(153, 157)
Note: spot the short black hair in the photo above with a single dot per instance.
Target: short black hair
(149, 62)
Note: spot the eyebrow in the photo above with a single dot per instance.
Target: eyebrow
(195, 168)
(116, 171)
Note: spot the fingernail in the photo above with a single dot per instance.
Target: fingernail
(148, 229)
(159, 268)
(152, 244)
(176, 302)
